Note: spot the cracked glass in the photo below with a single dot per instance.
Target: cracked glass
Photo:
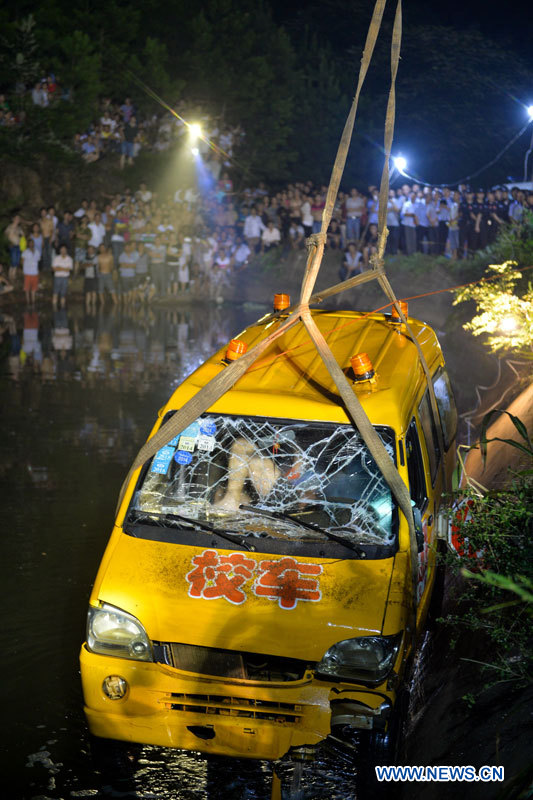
(267, 477)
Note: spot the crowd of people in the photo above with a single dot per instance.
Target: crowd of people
(135, 246)
(122, 130)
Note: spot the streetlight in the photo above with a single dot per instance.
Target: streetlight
(400, 163)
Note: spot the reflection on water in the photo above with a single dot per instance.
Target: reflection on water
(124, 351)
(80, 394)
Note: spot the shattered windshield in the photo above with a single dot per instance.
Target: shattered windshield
(253, 476)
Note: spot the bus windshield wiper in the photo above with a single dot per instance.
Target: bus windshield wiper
(195, 523)
(309, 525)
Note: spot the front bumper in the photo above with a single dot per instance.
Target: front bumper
(171, 708)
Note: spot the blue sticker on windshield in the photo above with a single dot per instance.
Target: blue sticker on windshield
(173, 442)
(191, 431)
(161, 460)
(208, 427)
(183, 457)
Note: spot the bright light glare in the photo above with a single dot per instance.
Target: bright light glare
(195, 151)
(400, 163)
(530, 112)
(509, 324)
(195, 131)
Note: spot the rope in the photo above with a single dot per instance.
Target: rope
(315, 258)
(230, 374)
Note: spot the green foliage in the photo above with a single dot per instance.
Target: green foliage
(238, 61)
(289, 87)
(19, 53)
(504, 315)
(526, 448)
(496, 542)
(515, 242)
(320, 111)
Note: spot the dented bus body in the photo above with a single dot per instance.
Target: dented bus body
(256, 594)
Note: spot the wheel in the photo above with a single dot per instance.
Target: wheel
(376, 748)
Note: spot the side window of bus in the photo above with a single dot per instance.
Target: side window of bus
(415, 467)
(430, 435)
(446, 405)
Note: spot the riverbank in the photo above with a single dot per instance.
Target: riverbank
(464, 713)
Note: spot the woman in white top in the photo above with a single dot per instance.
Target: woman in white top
(350, 265)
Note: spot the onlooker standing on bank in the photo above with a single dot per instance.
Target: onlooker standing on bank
(128, 150)
(97, 229)
(158, 268)
(62, 267)
(408, 218)
(14, 234)
(30, 270)
(47, 229)
(90, 283)
(127, 262)
(253, 228)
(354, 206)
(65, 232)
(105, 274)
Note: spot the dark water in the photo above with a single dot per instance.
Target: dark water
(79, 396)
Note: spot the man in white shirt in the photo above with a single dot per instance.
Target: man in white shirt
(62, 267)
(144, 194)
(408, 219)
(82, 210)
(241, 254)
(253, 228)
(97, 229)
(270, 237)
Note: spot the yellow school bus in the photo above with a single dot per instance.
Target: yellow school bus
(256, 594)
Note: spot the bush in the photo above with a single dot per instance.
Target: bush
(495, 540)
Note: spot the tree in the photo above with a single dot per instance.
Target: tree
(505, 316)
(237, 61)
(320, 109)
(19, 55)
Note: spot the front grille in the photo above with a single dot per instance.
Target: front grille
(230, 663)
(220, 705)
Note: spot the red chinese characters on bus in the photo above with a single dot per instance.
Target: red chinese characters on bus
(288, 581)
(216, 576)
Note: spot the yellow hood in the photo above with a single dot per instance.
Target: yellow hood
(279, 605)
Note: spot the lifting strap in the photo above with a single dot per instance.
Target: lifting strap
(230, 374)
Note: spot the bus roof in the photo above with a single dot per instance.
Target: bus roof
(291, 381)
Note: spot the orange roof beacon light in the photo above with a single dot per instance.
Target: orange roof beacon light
(236, 348)
(281, 301)
(362, 367)
(394, 316)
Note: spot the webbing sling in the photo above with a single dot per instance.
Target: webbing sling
(230, 374)
(222, 382)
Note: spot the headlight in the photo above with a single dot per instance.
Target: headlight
(365, 660)
(112, 632)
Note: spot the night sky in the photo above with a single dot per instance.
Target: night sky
(505, 22)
